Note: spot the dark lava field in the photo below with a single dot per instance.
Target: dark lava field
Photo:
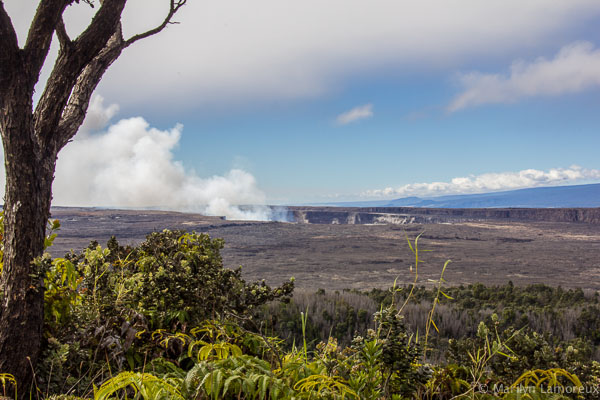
(337, 255)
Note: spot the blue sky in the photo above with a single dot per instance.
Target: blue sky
(298, 149)
(503, 93)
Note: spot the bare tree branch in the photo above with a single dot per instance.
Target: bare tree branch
(102, 27)
(88, 80)
(75, 102)
(75, 111)
(9, 47)
(8, 36)
(174, 7)
(40, 33)
(61, 33)
(69, 65)
(89, 2)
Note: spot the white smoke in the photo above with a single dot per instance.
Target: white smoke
(130, 164)
(491, 182)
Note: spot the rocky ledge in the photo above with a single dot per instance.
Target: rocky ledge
(407, 215)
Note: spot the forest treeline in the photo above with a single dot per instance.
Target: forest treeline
(166, 320)
(561, 314)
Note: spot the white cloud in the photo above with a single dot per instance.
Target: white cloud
(575, 68)
(491, 182)
(225, 51)
(130, 164)
(355, 114)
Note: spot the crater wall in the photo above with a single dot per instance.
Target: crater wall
(407, 215)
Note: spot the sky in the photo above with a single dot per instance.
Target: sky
(293, 102)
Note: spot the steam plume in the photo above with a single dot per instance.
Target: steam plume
(131, 164)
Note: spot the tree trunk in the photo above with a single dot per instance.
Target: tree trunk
(29, 175)
(32, 141)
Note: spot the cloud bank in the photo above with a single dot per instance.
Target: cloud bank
(355, 114)
(131, 164)
(576, 67)
(491, 182)
(226, 51)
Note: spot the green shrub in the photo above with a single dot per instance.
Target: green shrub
(100, 302)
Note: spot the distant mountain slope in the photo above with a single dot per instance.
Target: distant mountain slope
(541, 197)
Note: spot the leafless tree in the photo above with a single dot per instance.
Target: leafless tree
(32, 138)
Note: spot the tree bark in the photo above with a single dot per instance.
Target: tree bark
(29, 174)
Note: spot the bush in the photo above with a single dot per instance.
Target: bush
(100, 301)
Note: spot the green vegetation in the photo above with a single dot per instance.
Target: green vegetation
(165, 320)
